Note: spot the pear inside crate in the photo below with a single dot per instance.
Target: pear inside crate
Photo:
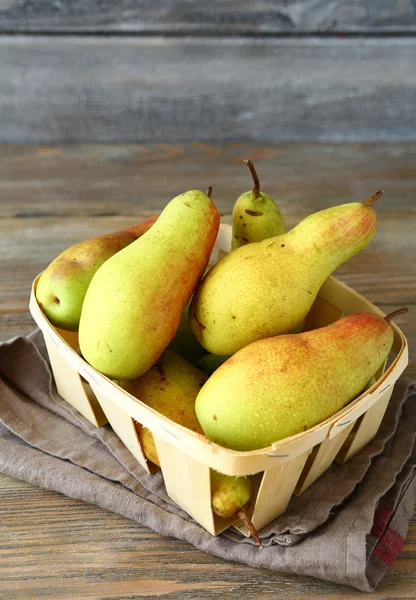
(285, 467)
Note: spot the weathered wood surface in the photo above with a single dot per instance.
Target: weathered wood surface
(78, 89)
(73, 193)
(51, 197)
(54, 547)
(232, 17)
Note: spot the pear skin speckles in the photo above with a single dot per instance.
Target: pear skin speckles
(280, 386)
(276, 281)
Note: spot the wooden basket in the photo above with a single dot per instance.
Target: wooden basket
(286, 467)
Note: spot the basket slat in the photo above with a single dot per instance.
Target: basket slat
(367, 428)
(187, 482)
(70, 386)
(321, 314)
(321, 459)
(123, 425)
(275, 491)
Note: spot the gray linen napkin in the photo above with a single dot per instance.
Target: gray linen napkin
(348, 527)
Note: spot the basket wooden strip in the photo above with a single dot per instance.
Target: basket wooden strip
(366, 429)
(276, 489)
(321, 458)
(71, 387)
(123, 425)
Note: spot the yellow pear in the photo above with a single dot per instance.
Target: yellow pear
(256, 216)
(265, 289)
(134, 303)
(170, 387)
(63, 284)
(283, 385)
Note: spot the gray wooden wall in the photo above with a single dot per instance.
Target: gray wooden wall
(283, 70)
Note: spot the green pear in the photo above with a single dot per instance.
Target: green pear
(63, 284)
(210, 363)
(283, 385)
(267, 288)
(256, 216)
(170, 387)
(134, 303)
(229, 494)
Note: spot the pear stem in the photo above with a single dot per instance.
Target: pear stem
(256, 187)
(395, 313)
(248, 523)
(209, 191)
(373, 199)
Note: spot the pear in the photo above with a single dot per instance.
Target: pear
(255, 216)
(210, 363)
(134, 303)
(229, 494)
(63, 284)
(267, 288)
(283, 385)
(171, 387)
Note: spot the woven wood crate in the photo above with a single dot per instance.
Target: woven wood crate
(286, 467)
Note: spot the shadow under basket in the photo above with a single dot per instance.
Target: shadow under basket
(286, 467)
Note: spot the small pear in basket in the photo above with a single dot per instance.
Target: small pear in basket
(256, 216)
(230, 496)
(283, 385)
(170, 387)
(134, 303)
(62, 286)
(210, 363)
(264, 289)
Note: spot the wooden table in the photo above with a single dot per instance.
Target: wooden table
(51, 197)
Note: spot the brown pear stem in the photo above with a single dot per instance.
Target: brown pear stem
(256, 187)
(248, 523)
(373, 199)
(209, 191)
(395, 313)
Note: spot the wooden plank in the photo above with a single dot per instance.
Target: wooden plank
(134, 180)
(64, 548)
(41, 188)
(71, 89)
(235, 17)
(383, 272)
(15, 323)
